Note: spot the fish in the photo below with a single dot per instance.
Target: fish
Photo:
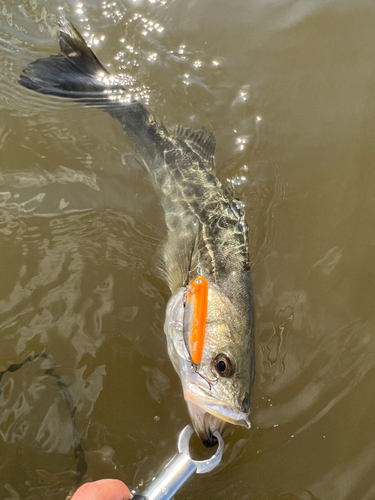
(209, 322)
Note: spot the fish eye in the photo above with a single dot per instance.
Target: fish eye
(223, 365)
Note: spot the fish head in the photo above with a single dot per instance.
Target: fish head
(217, 390)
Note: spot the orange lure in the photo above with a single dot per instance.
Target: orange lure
(195, 318)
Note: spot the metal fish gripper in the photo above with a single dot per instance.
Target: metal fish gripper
(181, 468)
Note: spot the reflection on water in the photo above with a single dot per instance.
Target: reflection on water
(288, 89)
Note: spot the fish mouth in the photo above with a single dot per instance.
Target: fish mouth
(208, 418)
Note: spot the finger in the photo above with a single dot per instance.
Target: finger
(104, 489)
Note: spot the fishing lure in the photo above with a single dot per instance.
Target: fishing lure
(195, 317)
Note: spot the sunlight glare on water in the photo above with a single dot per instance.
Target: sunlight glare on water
(288, 89)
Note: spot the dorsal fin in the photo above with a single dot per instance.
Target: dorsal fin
(200, 141)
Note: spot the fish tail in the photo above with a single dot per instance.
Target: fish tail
(75, 72)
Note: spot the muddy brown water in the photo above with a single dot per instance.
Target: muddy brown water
(288, 87)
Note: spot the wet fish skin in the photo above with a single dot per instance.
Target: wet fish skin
(207, 233)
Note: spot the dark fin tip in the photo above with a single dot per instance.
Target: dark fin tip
(72, 73)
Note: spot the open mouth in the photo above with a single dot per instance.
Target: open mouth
(208, 418)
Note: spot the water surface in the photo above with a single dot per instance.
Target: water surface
(288, 88)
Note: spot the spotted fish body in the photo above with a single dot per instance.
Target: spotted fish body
(207, 237)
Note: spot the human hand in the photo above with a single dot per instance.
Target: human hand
(104, 489)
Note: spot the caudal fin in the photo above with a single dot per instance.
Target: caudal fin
(75, 72)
